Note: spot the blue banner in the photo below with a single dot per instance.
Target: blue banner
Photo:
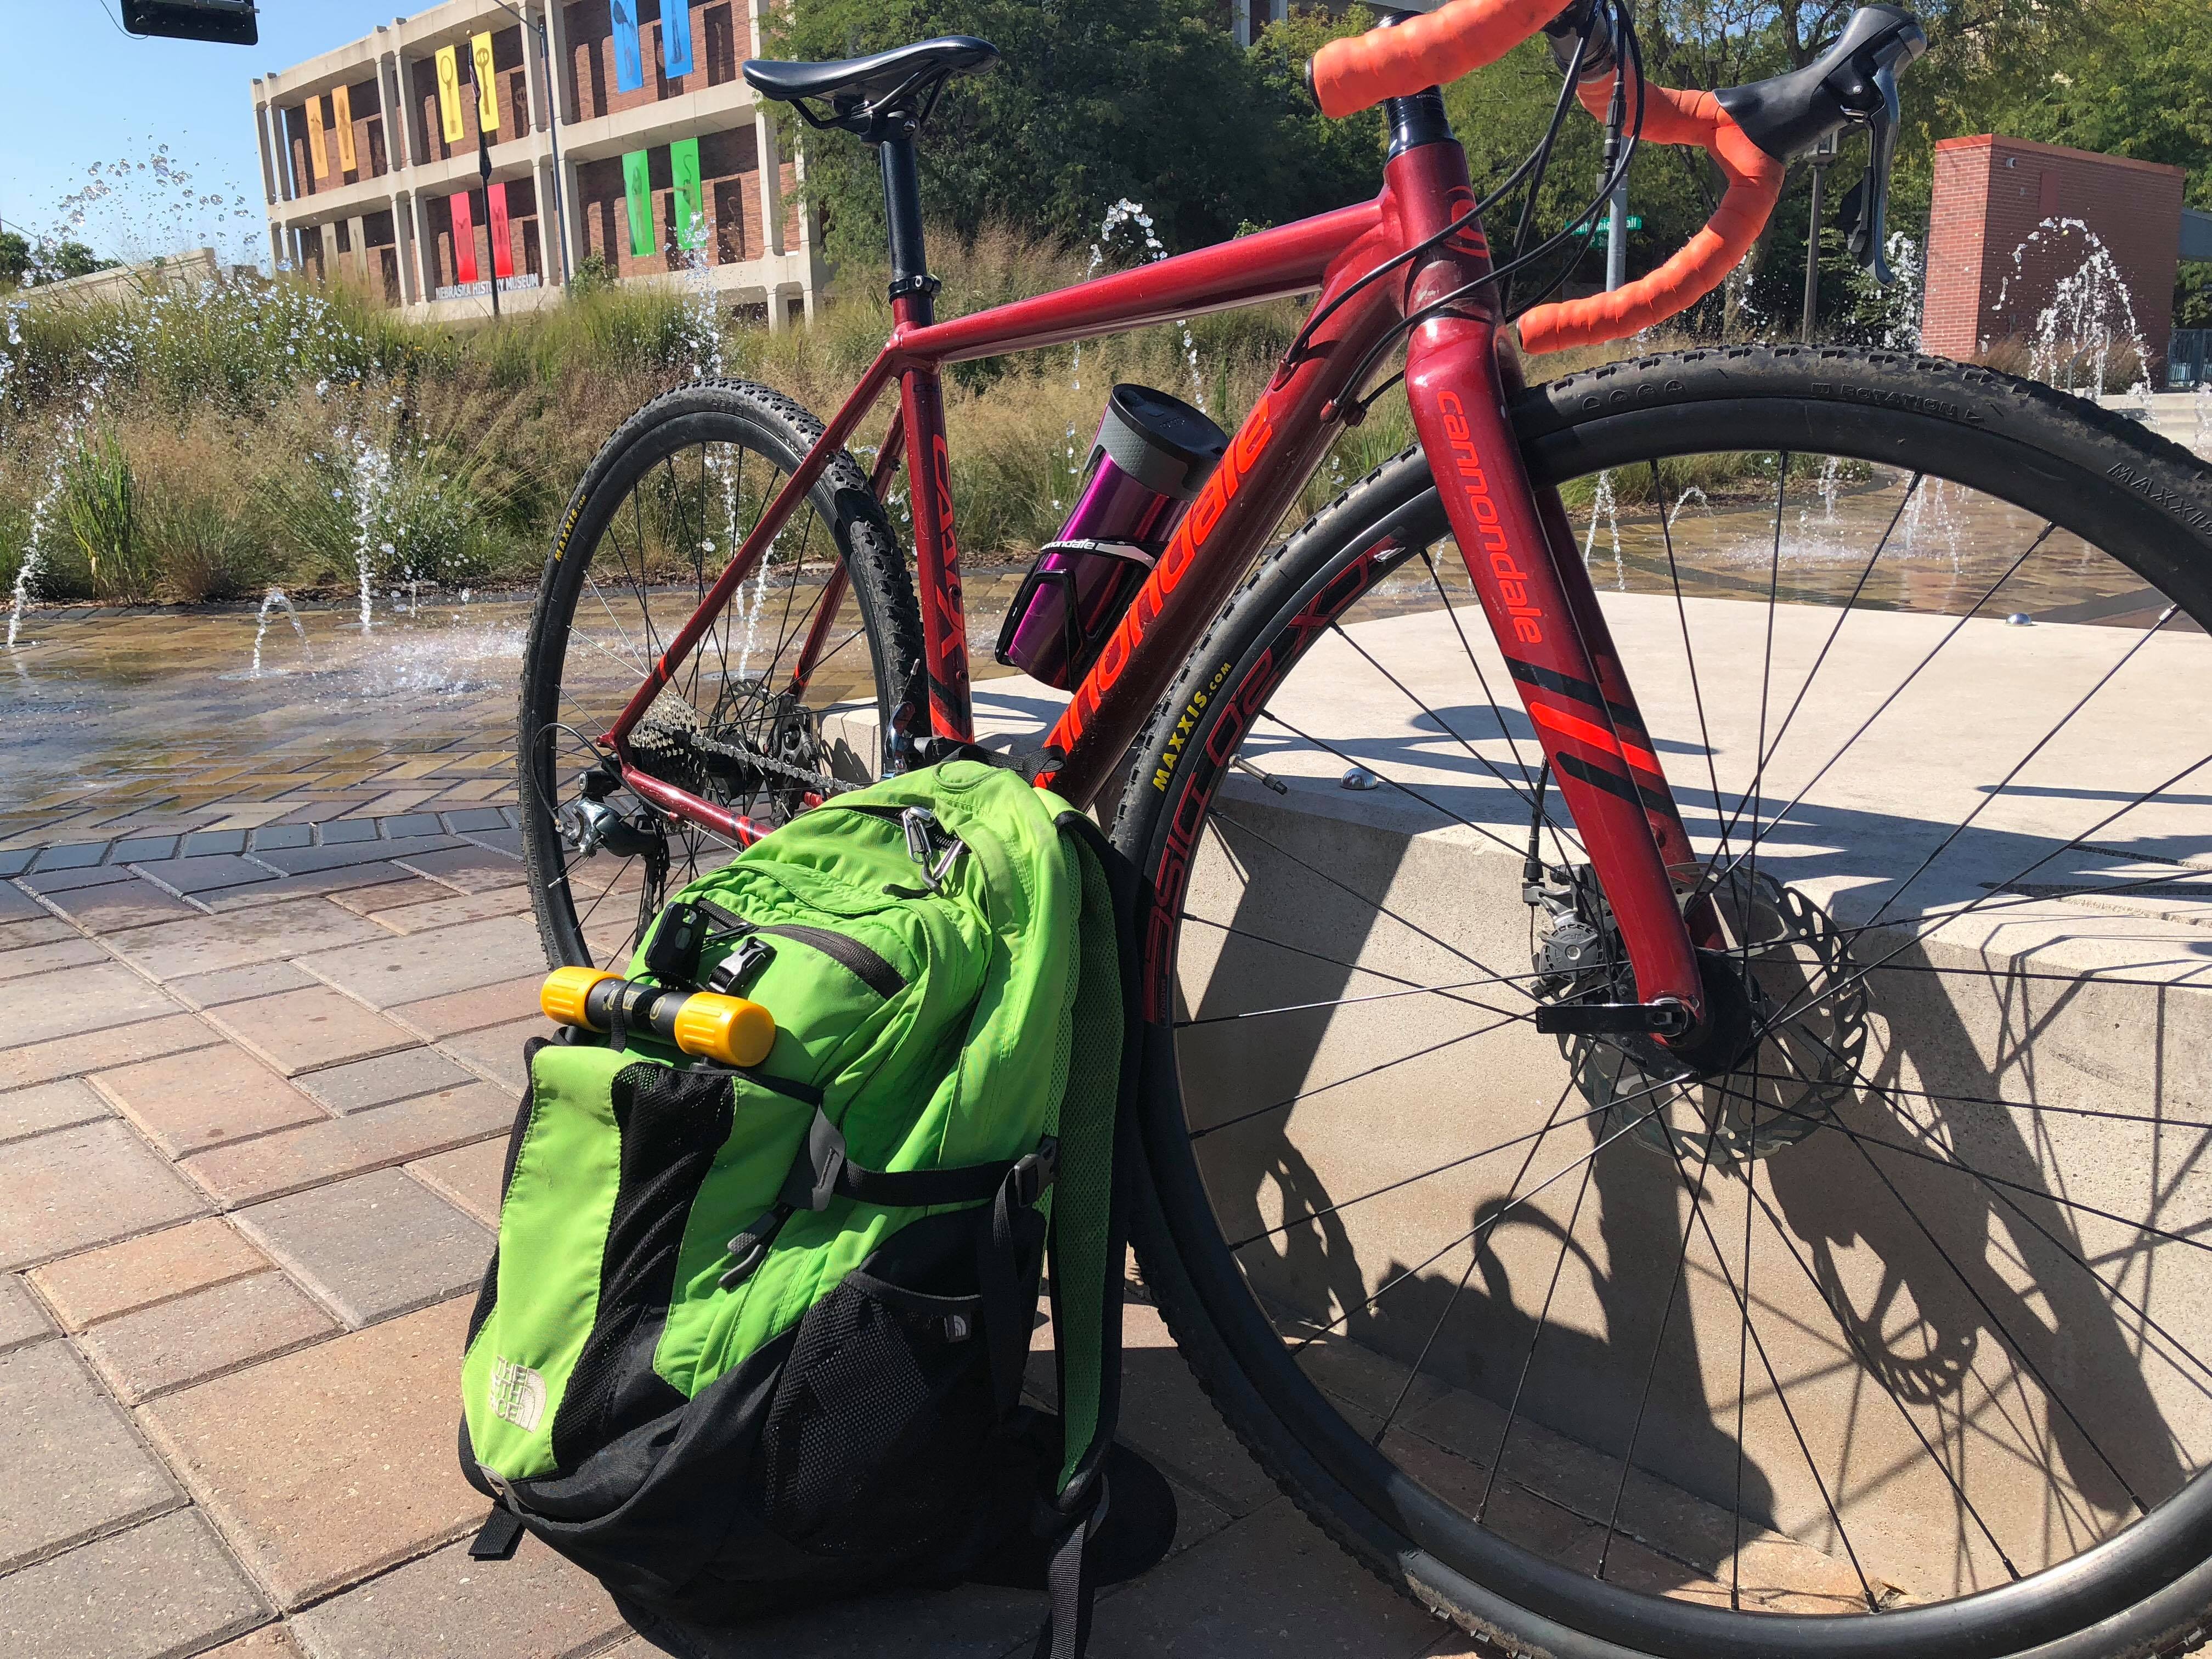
(675, 37)
(630, 63)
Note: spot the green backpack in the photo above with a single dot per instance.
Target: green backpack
(755, 1336)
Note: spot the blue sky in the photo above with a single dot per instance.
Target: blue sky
(124, 98)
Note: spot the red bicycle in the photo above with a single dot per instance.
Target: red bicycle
(1637, 1213)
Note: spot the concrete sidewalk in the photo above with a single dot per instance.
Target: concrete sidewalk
(253, 1110)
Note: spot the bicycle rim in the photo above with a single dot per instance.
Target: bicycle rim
(1925, 1346)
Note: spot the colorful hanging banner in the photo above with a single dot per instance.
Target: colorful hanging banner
(465, 238)
(319, 151)
(487, 84)
(502, 245)
(690, 209)
(342, 119)
(629, 60)
(637, 185)
(449, 95)
(675, 37)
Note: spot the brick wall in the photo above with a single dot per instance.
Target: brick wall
(1991, 192)
(729, 178)
(370, 158)
(521, 228)
(722, 38)
(513, 92)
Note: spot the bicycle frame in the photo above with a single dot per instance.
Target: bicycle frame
(1519, 551)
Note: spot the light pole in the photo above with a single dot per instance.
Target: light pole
(1823, 154)
(553, 126)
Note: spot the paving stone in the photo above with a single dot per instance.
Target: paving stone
(1270, 1585)
(470, 1176)
(63, 1440)
(76, 878)
(17, 860)
(446, 1604)
(75, 951)
(506, 840)
(17, 905)
(48, 1106)
(406, 826)
(374, 1246)
(208, 873)
(41, 929)
(262, 934)
(139, 1273)
(21, 1318)
(272, 837)
(341, 832)
(974, 1621)
(42, 1063)
(215, 841)
(473, 1009)
(74, 856)
(72, 1188)
(239, 984)
(299, 1031)
(188, 1102)
(378, 1082)
(299, 860)
(323, 1466)
(270, 1641)
(390, 971)
(511, 899)
(323, 884)
(496, 1053)
(392, 895)
(474, 817)
(157, 1349)
(167, 1586)
(469, 868)
(65, 1001)
(124, 904)
(271, 1166)
(142, 849)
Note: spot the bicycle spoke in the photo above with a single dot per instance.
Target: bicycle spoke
(1690, 660)
(1402, 788)
(1348, 1002)
(1766, 679)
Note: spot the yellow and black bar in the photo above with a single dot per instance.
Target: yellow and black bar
(705, 1023)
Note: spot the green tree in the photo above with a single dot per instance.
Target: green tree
(2143, 88)
(14, 258)
(1093, 100)
(60, 260)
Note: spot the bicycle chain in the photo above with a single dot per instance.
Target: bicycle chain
(693, 737)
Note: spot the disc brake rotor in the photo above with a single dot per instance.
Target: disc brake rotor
(1808, 1008)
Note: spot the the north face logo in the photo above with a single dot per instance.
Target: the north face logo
(518, 1394)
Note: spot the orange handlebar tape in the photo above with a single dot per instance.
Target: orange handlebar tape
(1700, 266)
(1359, 72)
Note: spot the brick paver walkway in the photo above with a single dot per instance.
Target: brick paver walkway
(253, 1097)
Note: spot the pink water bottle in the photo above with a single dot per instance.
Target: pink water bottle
(1153, 454)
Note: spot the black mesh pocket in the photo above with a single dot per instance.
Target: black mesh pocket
(875, 1441)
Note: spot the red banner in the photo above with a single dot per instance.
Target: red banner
(502, 245)
(465, 238)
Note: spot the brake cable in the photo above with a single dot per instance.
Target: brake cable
(1303, 338)
(1353, 409)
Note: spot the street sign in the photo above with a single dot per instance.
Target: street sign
(1635, 222)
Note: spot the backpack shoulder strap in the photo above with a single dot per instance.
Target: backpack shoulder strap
(1089, 1221)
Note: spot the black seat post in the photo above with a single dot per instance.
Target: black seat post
(910, 277)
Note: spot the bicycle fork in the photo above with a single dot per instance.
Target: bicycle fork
(1536, 594)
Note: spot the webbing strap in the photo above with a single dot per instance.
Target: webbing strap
(822, 1171)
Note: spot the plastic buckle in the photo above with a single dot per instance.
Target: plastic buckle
(1033, 1174)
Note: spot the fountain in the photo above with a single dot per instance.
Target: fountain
(269, 602)
(2091, 312)
(1683, 501)
(371, 470)
(1603, 506)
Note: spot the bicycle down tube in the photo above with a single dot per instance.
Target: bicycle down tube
(1519, 554)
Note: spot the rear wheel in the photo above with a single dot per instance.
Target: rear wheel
(1891, 1339)
(657, 517)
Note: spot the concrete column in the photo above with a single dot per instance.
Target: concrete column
(403, 233)
(261, 137)
(425, 287)
(357, 233)
(1241, 11)
(564, 68)
(278, 259)
(391, 91)
(771, 181)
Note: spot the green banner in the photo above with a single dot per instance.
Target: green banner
(690, 209)
(637, 184)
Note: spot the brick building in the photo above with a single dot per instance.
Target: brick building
(365, 162)
(1990, 194)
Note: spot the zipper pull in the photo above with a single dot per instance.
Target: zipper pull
(922, 830)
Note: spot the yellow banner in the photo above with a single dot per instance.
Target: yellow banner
(487, 84)
(449, 94)
(317, 151)
(342, 119)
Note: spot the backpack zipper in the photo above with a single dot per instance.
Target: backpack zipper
(856, 958)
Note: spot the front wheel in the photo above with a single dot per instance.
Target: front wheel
(1892, 1340)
